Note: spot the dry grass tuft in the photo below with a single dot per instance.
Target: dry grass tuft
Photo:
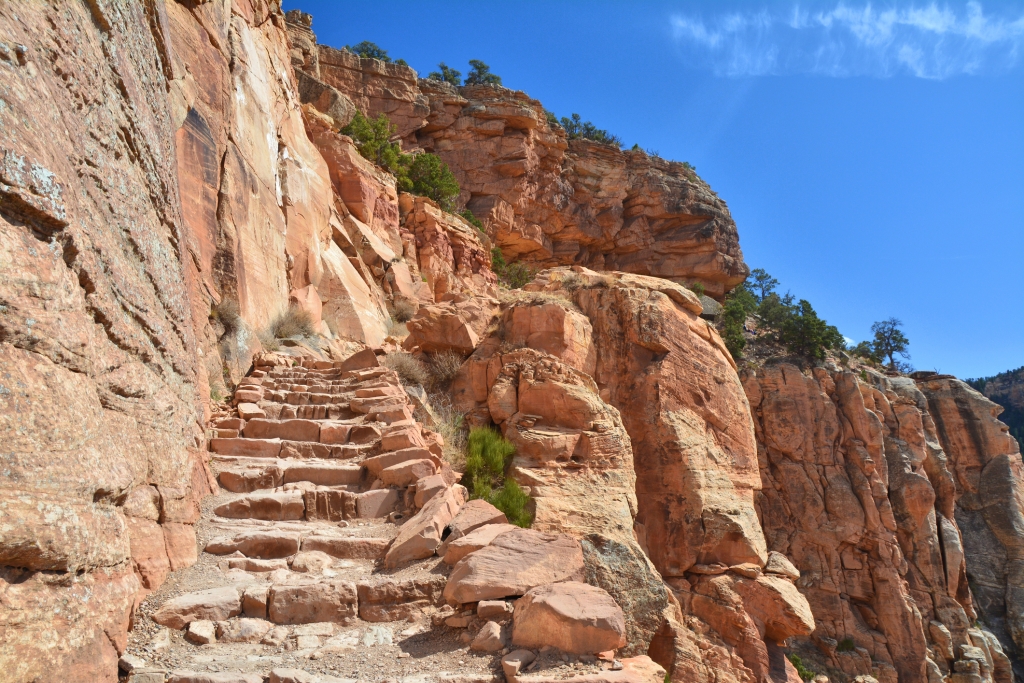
(410, 370)
(397, 329)
(404, 310)
(227, 313)
(294, 322)
(443, 367)
(451, 426)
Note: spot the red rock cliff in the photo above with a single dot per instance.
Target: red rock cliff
(545, 199)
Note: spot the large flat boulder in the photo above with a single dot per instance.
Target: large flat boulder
(277, 506)
(512, 564)
(214, 604)
(472, 516)
(473, 541)
(571, 616)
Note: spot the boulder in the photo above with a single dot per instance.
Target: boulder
(512, 564)
(201, 632)
(213, 604)
(490, 638)
(242, 630)
(421, 535)
(407, 473)
(571, 616)
(395, 599)
(472, 516)
(473, 541)
(186, 676)
(311, 561)
(428, 487)
(276, 506)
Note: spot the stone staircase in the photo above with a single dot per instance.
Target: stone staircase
(318, 463)
(340, 547)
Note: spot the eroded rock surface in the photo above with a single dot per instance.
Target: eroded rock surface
(542, 198)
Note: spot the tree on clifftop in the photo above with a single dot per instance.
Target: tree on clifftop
(763, 284)
(371, 50)
(481, 74)
(446, 74)
(890, 342)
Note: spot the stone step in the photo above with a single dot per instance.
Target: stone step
(253, 477)
(277, 448)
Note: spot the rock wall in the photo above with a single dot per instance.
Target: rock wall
(100, 410)
(863, 489)
(543, 199)
(154, 166)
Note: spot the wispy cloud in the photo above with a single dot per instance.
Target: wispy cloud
(927, 41)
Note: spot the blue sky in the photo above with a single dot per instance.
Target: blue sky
(872, 154)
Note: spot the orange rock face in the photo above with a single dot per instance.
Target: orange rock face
(545, 199)
(861, 493)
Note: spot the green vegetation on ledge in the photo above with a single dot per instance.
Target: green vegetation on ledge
(488, 456)
(423, 174)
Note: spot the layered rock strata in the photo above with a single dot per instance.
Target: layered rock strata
(543, 198)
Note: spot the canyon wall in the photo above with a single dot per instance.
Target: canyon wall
(543, 198)
(163, 164)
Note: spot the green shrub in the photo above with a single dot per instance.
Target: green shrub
(807, 335)
(294, 322)
(480, 74)
(696, 287)
(446, 74)
(802, 671)
(370, 50)
(426, 175)
(513, 275)
(733, 319)
(373, 140)
(513, 501)
(576, 128)
(552, 119)
(473, 220)
(488, 455)
(423, 174)
(845, 645)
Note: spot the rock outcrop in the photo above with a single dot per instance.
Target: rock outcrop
(866, 488)
(543, 198)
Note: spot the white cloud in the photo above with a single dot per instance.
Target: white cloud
(927, 41)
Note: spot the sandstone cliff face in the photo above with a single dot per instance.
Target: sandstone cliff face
(545, 199)
(860, 491)
(101, 382)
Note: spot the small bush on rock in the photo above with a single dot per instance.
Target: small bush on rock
(446, 74)
(443, 367)
(404, 310)
(473, 220)
(732, 327)
(410, 370)
(513, 501)
(294, 322)
(576, 128)
(480, 74)
(373, 140)
(488, 456)
(366, 49)
(513, 275)
(426, 175)
(226, 312)
(801, 670)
